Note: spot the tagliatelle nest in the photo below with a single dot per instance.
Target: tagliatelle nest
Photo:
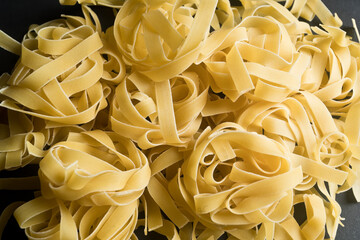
(58, 76)
(94, 168)
(194, 119)
(64, 220)
(164, 113)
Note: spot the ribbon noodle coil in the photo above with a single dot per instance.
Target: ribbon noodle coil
(186, 119)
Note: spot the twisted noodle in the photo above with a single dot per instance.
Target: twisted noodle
(94, 168)
(53, 219)
(114, 66)
(22, 141)
(164, 162)
(167, 229)
(109, 3)
(164, 113)
(162, 38)
(191, 118)
(234, 77)
(305, 126)
(9, 44)
(226, 172)
(303, 123)
(100, 182)
(58, 76)
(352, 131)
(335, 54)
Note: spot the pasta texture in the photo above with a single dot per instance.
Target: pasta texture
(193, 119)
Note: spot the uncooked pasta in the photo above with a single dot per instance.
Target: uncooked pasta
(194, 119)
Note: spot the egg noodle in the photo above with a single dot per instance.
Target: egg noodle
(195, 119)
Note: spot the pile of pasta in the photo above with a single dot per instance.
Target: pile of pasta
(196, 119)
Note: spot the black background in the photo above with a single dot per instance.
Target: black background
(17, 15)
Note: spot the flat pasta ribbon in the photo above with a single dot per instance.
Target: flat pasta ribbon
(162, 38)
(167, 112)
(108, 3)
(54, 219)
(220, 181)
(332, 68)
(22, 141)
(58, 76)
(312, 228)
(94, 168)
(192, 118)
(238, 65)
(352, 131)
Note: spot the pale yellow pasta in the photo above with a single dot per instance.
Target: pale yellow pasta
(3, 79)
(94, 168)
(335, 54)
(239, 66)
(229, 182)
(9, 44)
(166, 112)
(352, 130)
(329, 147)
(54, 219)
(114, 66)
(21, 141)
(206, 118)
(302, 123)
(7, 214)
(312, 228)
(109, 3)
(161, 39)
(164, 162)
(154, 221)
(58, 76)
(167, 229)
(233, 57)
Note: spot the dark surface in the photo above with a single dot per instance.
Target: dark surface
(17, 15)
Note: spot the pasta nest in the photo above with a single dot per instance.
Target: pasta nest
(57, 77)
(332, 68)
(229, 180)
(257, 58)
(56, 219)
(168, 112)
(303, 124)
(94, 168)
(271, 55)
(161, 39)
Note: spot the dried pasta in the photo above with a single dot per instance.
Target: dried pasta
(98, 162)
(49, 82)
(54, 219)
(164, 113)
(194, 119)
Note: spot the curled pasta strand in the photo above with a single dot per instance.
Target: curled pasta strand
(165, 113)
(54, 219)
(87, 172)
(206, 118)
(165, 41)
(22, 142)
(62, 85)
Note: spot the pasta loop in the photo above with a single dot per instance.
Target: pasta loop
(21, 142)
(165, 113)
(54, 219)
(195, 119)
(62, 84)
(238, 65)
(162, 38)
(94, 168)
(224, 173)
